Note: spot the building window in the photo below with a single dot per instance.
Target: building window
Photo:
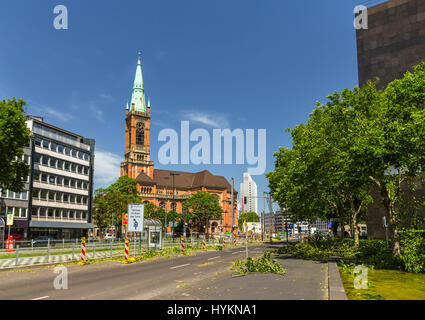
(162, 205)
(36, 176)
(35, 193)
(67, 166)
(74, 153)
(53, 146)
(50, 213)
(42, 212)
(86, 170)
(72, 183)
(84, 215)
(37, 142)
(67, 151)
(65, 197)
(65, 214)
(37, 158)
(24, 195)
(71, 214)
(43, 177)
(45, 160)
(73, 167)
(57, 213)
(72, 198)
(80, 155)
(43, 194)
(80, 170)
(85, 186)
(34, 211)
(86, 156)
(53, 163)
(52, 179)
(51, 196)
(60, 164)
(66, 182)
(60, 148)
(45, 144)
(173, 206)
(59, 181)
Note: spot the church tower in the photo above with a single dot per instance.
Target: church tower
(137, 131)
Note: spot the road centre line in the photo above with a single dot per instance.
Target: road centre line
(214, 258)
(183, 265)
(238, 252)
(40, 298)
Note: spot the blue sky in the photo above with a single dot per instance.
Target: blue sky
(236, 64)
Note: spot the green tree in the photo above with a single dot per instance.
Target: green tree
(249, 216)
(202, 207)
(109, 204)
(14, 136)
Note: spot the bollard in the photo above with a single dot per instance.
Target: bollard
(125, 251)
(17, 255)
(94, 249)
(111, 248)
(224, 241)
(63, 243)
(134, 245)
(234, 240)
(182, 243)
(73, 251)
(83, 252)
(32, 245)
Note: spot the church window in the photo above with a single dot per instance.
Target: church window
(140, 134)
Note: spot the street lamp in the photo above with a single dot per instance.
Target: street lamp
(173, 174)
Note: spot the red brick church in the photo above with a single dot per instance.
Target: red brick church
(155, 185)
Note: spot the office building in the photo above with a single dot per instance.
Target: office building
(249, 194)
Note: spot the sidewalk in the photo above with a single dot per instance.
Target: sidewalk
(304, 280)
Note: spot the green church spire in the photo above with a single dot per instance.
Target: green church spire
(138, 95)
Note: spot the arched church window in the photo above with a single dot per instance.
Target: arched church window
(140, 134)
(162, 205)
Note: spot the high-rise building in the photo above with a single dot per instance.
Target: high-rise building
(166, 188)
(393, 42)
(57, 198)
(249, 194)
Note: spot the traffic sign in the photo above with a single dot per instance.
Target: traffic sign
(135, 217)
(9, 219)
(124, 218)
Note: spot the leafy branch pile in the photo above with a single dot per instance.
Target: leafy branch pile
(262, 264)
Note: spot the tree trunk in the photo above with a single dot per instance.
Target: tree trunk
(396, 242)
(356, 230)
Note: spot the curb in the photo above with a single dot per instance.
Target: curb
(335, 287)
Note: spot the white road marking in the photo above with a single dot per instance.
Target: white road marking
(238, 252)
(183, 265)
(40, 298)
(214, 258)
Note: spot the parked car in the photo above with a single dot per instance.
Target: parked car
(43, 241)
(109, 236)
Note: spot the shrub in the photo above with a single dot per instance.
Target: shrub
(262, 264)
(412, 250)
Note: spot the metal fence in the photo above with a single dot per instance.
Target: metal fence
(34, 252)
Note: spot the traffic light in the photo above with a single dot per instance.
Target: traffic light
(244, 200)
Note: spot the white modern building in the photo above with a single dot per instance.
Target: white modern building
(249, 194)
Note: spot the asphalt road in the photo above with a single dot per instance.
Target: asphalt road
(113, 280)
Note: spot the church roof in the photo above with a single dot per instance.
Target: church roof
(138, 95)
(185, 180)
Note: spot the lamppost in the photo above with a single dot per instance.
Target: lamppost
(173, 174)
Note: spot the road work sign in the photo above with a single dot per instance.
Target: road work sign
(135, 217)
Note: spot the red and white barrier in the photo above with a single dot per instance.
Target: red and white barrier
(182, 243)
(126, 248)
(83, 250)
(204, 245)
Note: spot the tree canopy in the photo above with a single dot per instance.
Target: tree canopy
(14, 136)
(202, 207)
(360, 138)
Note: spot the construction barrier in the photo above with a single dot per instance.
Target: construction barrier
(182, 243)
(83, 258)
(10, 244)
(126, 248)
(234, 240)
(224, 241)
(204, 245)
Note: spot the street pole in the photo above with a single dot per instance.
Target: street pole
(232, 211)
(173, 174)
